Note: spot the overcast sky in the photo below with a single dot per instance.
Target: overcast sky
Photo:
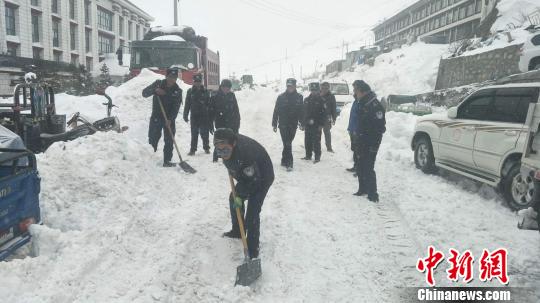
(253, 35)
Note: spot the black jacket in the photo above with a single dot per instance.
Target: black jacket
(198, 103)
(224, 111)
(371, 120)
(251, 166)
(330, 105)
(314, 111)
(288, 110)
(171, 101)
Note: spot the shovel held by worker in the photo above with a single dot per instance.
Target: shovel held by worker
(184, 165)
(250, 270)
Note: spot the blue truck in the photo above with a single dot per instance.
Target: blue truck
(19, 198)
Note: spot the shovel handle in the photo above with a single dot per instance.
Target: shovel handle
(169, 128)
(240, 218)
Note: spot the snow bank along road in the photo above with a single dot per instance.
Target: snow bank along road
(120, 228)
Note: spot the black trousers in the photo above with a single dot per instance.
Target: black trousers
(157, 126)
(252, 219)
(312, 141)
(199, 128)
(328, 134)
(287, 137)
(367, 178)
(354, 148)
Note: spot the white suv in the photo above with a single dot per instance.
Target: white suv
(530, 53)
(483, 138)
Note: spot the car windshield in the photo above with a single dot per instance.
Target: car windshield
(163, 57)
(339, 88)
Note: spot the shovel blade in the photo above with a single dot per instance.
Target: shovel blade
(248, 272)
(187, 168)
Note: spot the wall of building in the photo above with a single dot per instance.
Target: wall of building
(478, 68)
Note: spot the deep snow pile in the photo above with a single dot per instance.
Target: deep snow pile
(407, 70)
(120, 228)
(115, 69)
(514, 13)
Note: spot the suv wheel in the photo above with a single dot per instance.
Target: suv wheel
(423, 156)
(517, 190)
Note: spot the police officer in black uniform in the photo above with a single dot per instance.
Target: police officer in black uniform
(314, 117)
(170, 95)
(331, 114)
(224, 111)
(198, 103)
(370, 129)
(287, 114)
(250, 165)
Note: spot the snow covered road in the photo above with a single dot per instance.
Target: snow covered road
(120, 228)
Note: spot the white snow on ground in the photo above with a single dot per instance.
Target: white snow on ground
(115, 69)
(120, 228)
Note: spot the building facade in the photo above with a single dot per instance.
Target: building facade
(443, 21)
(78, 32)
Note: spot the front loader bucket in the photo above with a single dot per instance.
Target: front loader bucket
(248, 272)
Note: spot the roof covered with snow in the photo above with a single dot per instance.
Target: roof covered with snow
(169, 38)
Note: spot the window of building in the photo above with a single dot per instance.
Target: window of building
(478, 8)
(72, 9)
(10, 21)
(57, 56)
(121, 26)
(105, 44)
(89, 64)
(56, 32)
(55, 6)
(34, 2)
(138, 32)
(74, 60)
(37, 53)
(87, 12)
(36, 27)
(470, 9)
(105, 20)
(456, 15)
(130, 30)
(12, 49)
(88, 40)
(73, 37)
(462, 12)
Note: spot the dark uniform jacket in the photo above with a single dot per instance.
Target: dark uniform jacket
(198, 103)
(288, 110)
(330, 105)
(251, 166)
(371, 121)
(314, 111)
(171, 101)
(224, 111)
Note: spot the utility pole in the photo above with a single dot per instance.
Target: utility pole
(176, 12)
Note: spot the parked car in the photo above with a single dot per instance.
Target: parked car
(483, 138)
(19, 193)
(342, 93)
(530, 53)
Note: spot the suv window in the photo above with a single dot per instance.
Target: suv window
(510, 109)
(536, 40)
(476, 108)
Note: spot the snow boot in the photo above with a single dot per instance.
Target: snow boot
(191, 153)
(373, 198)
(307, 158)
(232, 234)
(207, 151)
(316, 161)
(351, 170)
(169, 164)
(289, 168)
(360, 193)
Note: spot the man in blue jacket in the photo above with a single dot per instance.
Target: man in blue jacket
(353, 128)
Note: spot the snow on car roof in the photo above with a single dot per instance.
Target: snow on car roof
(530, 84)
(169, 38)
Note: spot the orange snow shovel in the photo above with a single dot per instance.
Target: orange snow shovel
(184, 165)
(250, 270)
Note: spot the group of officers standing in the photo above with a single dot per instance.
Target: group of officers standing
(246, 160)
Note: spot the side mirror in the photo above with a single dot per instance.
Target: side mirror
(452, 112)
